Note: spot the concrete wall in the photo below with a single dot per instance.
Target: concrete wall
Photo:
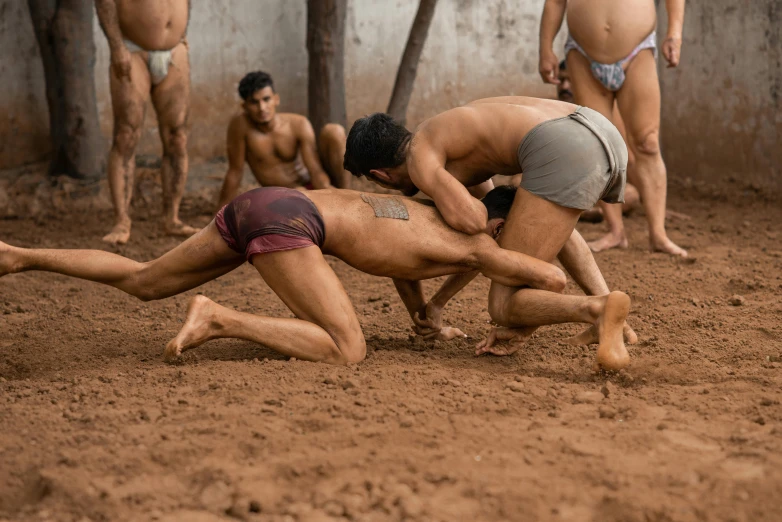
(475, 48)
(721, 117)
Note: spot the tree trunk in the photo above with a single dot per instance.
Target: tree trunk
(63, 29)
(326, 48)
(408, 67)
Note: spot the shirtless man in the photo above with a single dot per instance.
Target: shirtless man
(279, 147)
(610, 54)
(285, 233)
(149, 58)
(570, 157)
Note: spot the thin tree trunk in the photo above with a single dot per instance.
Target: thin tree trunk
(408, 67)
(63, 29)
(326, 48)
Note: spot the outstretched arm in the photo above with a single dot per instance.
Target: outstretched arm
(309, 154)
(109, 22)
(511, 268)
(550, 22)
(672, 45)
(458, 208)
(236, 147)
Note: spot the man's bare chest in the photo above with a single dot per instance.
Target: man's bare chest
(277, 147)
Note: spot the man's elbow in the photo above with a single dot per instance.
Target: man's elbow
(554, 280)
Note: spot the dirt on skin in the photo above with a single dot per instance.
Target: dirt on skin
(95, 426)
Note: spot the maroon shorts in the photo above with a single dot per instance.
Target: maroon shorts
(270, 219)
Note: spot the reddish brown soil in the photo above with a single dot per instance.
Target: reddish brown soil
(95, 426)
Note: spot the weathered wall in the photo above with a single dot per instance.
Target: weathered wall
(476, 48)
(721, 117)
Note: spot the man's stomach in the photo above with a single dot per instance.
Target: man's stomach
(153, 25)
(609, 30)
(289, 175)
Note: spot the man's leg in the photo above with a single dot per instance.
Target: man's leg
(171, 98)
(200, 259)
(639, 103)
(540, 228)
(326, 328)
(128, 100)
(331, 148)
(591, 93)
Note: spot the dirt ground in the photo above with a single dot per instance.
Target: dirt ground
(95, 426)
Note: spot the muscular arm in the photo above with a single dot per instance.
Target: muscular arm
(459, 209)
(578, 260)
(551, 21)
(109, 22)
(513, 269)
(309, 155)
(412, 295)
(479, 191)
(236, 147)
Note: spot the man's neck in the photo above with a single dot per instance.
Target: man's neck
(267, 127)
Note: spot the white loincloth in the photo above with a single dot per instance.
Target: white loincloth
(157, 62)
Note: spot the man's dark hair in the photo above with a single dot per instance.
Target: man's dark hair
(254, 82)
(499, 200)
(375, 142)
(563, 65)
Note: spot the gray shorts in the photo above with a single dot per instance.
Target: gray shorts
(574, 161)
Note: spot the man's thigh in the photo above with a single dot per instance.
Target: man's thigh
(129, 96)
(587, 91)
(535, 227)
(308, 286)
(171, 97)
(639, 98)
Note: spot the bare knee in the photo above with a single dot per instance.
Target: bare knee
(333, 132)
(176, 141)
(647, 143)
(144, 285)
(352, 350)
(125, 139)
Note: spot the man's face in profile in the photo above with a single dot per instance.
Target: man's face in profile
(563, 89)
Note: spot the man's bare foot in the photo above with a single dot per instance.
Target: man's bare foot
(9, 259)
(177, 228)
(611, 352)
(667, 246)
(590, 336)
(608, 241)
(198, 328)
(120, 234)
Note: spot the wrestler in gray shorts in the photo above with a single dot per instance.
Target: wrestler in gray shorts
(574, 161)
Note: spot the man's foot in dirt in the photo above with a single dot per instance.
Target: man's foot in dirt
(667, 246)
(590, 336)
(120, 234)
(198, 328)
(9, 259)
(611, 351)
(177, 228)
(608, 241)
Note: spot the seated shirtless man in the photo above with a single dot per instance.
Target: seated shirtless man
(570, 157)
(149, 59)
(279, 147)
(285, 233)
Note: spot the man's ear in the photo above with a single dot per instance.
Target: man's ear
(381, 174)
(498, 228)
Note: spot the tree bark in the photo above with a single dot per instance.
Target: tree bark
(63, 29)
(326, 48)
(408, 67)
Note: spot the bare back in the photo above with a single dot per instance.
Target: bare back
(609, 30)
(481, 139)
(420, 247)
(154, 25)
(274, 157)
